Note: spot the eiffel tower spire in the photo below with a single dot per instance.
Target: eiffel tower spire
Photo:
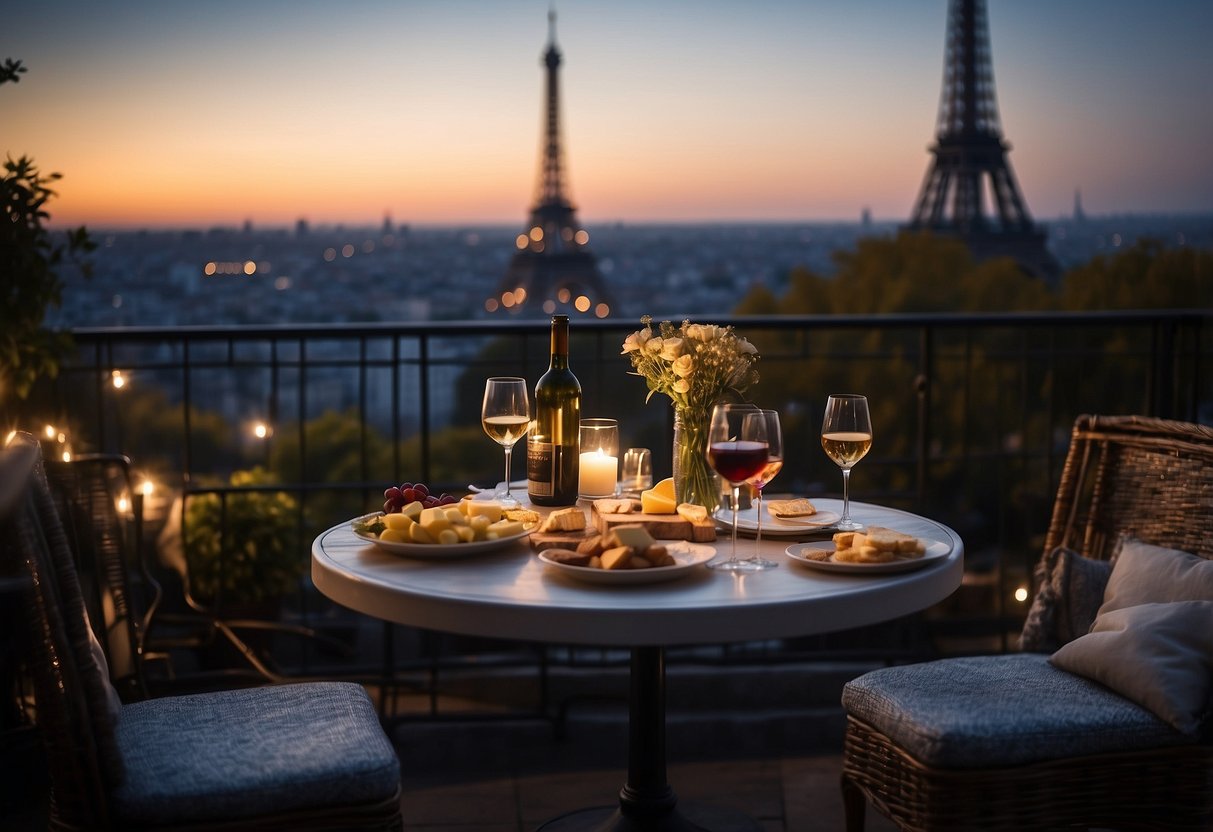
(552, 269)
(970, 154)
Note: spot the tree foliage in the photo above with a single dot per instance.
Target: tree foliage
(30, 260)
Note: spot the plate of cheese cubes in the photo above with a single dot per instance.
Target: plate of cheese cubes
(464, 528)
(874, 550)
(627, 554)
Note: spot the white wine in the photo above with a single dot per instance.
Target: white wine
(553, 448)
(846, 448)
(506, 430)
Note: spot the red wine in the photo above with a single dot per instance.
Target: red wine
(738, 461)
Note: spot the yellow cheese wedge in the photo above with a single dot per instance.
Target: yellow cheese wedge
(660, 498)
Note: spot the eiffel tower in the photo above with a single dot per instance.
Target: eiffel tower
(553, 269)
(969, 150)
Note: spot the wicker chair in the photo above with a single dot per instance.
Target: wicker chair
(301, 756)
(1133, 476)
(107, 548)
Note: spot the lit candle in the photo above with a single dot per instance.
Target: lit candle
(598, 474)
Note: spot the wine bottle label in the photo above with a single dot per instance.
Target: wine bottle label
(540, 469)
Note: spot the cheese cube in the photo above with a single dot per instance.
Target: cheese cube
(484, 508)
(633, 535)
(399, 522)
(618, 558)
(505, 528)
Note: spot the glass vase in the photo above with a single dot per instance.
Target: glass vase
(694, 480)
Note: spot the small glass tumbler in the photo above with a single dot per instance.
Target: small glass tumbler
(637, 470)
(599, 462)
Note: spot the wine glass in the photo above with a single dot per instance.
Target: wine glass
(760, 480)
(506, 418)
(846, 437)
(737, 449)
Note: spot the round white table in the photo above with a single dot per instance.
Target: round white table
(511, 594)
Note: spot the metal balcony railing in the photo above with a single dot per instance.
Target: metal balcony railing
(971, 414)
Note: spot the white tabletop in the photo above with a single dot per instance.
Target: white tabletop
(511, 594)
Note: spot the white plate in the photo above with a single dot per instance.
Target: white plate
(687, 556)
(936, 550)
(747, 521)
(438, 551)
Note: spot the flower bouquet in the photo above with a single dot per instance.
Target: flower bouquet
(696, 365)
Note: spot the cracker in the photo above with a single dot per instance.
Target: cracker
(799, 507)
(568, 556)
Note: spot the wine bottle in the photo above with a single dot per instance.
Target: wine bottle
(553, 452)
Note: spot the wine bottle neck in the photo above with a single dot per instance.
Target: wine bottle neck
(560, 343)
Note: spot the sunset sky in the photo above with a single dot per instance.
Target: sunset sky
(163, 113)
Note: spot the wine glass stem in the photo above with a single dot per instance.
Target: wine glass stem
(846, 495)
(509, 449)
(758, 522)
(736, 499)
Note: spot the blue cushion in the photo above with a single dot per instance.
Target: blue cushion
(254, 751)
(991, 711)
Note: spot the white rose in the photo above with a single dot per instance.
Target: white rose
(746, 347)
(693, 331)
(636, 340)
(682, 386)
(683, 366)
(654, 344)
(671, 348)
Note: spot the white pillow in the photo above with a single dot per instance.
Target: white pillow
(1157, 655)
(1148, 574)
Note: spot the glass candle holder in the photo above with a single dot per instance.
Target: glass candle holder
(599, 461)
(637, 470)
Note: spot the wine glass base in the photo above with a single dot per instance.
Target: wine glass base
(731, 565)
(761, 563)
(849, 526)
(506, 500)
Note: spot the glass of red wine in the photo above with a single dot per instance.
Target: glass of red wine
(738, 449)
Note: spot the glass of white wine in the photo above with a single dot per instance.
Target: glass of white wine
(506, 418)
(763, 478)
(846, 437)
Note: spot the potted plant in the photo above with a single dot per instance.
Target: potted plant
(242, 548)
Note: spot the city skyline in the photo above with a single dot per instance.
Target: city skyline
(163, 115)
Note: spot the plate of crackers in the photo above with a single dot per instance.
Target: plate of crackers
(628, 555)
(877, 550)
(780, 518)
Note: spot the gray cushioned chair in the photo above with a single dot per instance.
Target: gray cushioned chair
(303, 756)
(1011, 742)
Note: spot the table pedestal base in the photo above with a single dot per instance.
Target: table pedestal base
(688, 818)
(646, 802)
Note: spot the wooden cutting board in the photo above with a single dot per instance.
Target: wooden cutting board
(660, 526)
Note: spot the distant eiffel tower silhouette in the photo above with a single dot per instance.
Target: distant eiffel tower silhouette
(553, 268)
(969, 148)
